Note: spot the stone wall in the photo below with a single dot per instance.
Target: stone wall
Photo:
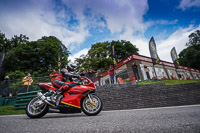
(130, 96)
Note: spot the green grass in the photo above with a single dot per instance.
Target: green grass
(168, 82)
(10, 110)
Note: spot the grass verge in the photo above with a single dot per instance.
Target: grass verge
(168, 82)
(10, 110)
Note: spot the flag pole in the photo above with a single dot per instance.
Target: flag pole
(153, 61)
(113, 58)
(166, 71)
(155, 71)
(177, 73)
(175, 59)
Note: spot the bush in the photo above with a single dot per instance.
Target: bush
(16, 75)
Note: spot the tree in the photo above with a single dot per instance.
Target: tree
(194, 38)
(99, 55)
(191, 55)
(36, 57)
(4, 42)
(123, 49)
(18, 40)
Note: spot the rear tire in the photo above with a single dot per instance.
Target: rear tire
(32, 112)
(89, 109)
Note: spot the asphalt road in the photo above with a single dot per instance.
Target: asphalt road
(184, 119)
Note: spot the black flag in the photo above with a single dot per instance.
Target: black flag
(113, 54)
(153, 51)
(174, 57)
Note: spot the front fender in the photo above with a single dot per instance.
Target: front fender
(88, 92)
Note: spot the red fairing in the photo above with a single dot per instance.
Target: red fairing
(78, 91)
(72, 96)
(47, 86)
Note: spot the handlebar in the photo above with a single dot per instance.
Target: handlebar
(88, 83)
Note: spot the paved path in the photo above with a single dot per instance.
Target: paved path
(184, 119)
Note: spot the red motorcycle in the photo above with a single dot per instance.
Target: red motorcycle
(80, 97)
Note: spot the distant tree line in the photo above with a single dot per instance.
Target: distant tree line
(36, 57)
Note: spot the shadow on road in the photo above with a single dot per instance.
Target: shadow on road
(60, 115)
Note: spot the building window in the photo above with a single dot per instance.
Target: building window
(172, 74)
(160, 73)
(188, 76)
(123, 74)
(181, 74)
(147, 72)
(195, 75)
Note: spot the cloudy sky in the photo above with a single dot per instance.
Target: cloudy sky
(81, 23)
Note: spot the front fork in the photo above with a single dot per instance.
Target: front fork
(91, 99)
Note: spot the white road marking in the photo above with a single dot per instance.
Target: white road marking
(169, 107)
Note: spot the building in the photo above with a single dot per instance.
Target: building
(146, 70)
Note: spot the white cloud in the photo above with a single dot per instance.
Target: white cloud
(119, 15)
(189, 3)
(166, 22)
(78, 54)
(123, 18)
(139, 41)
(178, 40)
(38, 18)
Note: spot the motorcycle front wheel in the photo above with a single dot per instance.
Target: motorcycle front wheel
(93, 107)
(36, 108)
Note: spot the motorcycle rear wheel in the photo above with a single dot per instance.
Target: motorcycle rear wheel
(92, 109)
(34, 111)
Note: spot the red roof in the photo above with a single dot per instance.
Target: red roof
(148, 59)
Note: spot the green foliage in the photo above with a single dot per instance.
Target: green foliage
(99, 56)
(10, 110)
(16, 74)
(18, 40)
(17, 86)
(4, 42)
(194, 38)
(191, 55)
(168, 82)
(36, 57)
(123, 49)
(40, 57)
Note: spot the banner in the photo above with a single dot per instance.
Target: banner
(60, 59)
(113, 54)
(153, 51)
(174, 57)
(1, 59)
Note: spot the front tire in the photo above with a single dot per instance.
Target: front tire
(92, 109)
(36, 108)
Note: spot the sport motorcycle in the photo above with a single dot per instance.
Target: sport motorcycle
(80, 97)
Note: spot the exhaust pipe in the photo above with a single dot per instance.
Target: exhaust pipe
(44, 99)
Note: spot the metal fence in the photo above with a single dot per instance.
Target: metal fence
(17, 86)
